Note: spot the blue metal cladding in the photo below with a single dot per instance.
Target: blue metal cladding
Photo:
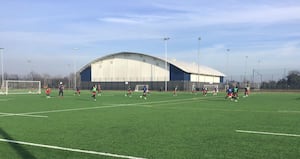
(176, 74)
(221, 79)
(86, 74)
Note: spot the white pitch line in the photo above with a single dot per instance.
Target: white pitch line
(25, 115)
(91, 108)
(267, 133)
(167, 101)
(61, 110)
(70, 149)
(288, 111)
(99, 107)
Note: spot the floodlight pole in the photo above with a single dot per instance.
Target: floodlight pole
(199, 39)
(166, 66)
(75, 74)
(259, 71)
(2, 67)
(246, 59)
(30, 68)
(69, 66)
(227, 62)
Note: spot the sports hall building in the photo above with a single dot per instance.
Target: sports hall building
(120, 70)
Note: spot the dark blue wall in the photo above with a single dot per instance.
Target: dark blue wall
(177, 74)
(221, 79)
(86, 74)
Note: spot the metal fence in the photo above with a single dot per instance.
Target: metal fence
(155, 86)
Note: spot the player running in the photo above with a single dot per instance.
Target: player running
(77, 91)
(247, 90)
(144, 93)
(129, 91)
(193, 88)
(204, 91)
(235, 95)
(61, 90)
(94, 91)
(175, 91)
(99, 90)
(48, 92)
(215, 91)
(229, 93)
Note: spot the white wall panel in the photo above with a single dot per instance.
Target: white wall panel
(129, 68)
(203, 78)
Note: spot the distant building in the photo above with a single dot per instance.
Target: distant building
(138, 68)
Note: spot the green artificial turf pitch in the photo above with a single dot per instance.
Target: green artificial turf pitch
(161, 127)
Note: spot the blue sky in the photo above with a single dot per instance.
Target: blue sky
(261, 34)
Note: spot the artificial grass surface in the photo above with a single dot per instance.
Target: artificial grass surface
(162, 127)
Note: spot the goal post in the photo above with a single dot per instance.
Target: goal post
(139, 87)
(22, 87)
(211, 88)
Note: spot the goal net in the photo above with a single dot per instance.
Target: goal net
(2, 89)
(22, 87)
(211, 88)
(139, 88)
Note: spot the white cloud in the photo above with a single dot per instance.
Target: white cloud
(119, 20)
(262, 30)
(226, 14)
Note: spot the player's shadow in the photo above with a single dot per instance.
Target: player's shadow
(22, 152)
(216, 99)
(84, 99)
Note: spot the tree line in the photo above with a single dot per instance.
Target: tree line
(46, 79)
(291, 81)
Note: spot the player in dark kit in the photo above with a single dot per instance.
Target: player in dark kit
(229, 93)
(77, 91)
(129, 92)
(61, 89)
(144, 92)
(204, 91)
(235, 95)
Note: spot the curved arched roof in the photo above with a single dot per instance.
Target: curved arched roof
(189, 68)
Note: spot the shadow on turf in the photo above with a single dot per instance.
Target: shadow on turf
(22, 152)
(217, 99)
